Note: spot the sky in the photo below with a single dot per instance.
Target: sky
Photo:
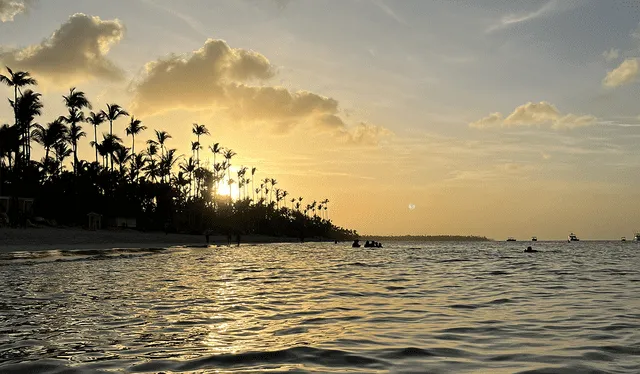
(493, 118)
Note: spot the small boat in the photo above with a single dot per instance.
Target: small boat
(534, 239)
(636, 237)
(511, 239)
(573, 238)
(623, 239)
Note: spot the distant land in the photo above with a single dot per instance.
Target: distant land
(428, 238)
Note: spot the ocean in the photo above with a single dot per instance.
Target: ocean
(325, 308)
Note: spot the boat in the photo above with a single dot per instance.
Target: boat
(511, 239)
(623, 239)
(636, 237)
(534, 239)
(573, 238)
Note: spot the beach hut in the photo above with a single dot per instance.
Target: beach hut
(94, 221)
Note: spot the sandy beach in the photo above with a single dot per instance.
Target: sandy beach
(42, 239)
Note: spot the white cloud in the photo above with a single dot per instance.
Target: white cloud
(233, 80)
(11, 8)
(626, 73)
(75, 52)
(513, 19)
(611, 54)
(535, 114)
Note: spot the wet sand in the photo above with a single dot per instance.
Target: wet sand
(42, 239)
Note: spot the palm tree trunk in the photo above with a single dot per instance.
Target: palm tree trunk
(95, 140)
(133, 144)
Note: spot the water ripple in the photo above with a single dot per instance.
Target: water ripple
(415, 307)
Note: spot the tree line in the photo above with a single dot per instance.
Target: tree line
(158, 186)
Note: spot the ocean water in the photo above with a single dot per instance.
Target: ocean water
(324, 308)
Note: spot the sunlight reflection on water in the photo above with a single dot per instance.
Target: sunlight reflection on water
(326, 308)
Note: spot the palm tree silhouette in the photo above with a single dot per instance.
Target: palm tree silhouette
(228, 154)
(273, 184)
(55, 132)
(199, 130)
(121, 156)
(114, 111)
(75, 102)
(95, 119)
(17, 80)
(135, 127)
(27, 107)
(74, 134)
(253, 172)
(162, 137)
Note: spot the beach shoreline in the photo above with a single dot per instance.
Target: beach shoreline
(46, 238)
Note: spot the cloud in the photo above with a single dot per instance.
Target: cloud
(535, 114)
(624, 74)
(513, 19)
(11, 8)
(389, 12)
(218, 77)
(611, 54)
(75, 52)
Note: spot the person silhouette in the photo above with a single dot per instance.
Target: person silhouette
(530, 250)
(356, 244)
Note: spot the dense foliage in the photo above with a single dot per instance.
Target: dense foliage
(160, 188)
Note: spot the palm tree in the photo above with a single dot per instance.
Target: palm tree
(228, 154)
(253, 172)
(62, 151)
(215, 149)
(162, 137)
(55, 132)
(135, 127)
(138, 162)
(273, 184)
(199, 130)
(17, 80)
(121, 156)
(167, 162)
(74, 135)
(110, 143)
(189, 167)
(325, 203)
(114, 111)
(74, 103)
(27, 107)
(293, 200)
(95, 119)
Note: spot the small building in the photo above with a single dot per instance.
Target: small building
(16, 208)
(94, 221)
(124, 222)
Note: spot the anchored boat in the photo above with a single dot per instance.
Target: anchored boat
(573, 238)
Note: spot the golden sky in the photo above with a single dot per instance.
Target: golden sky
(491, 118)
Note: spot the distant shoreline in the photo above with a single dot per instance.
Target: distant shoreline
(46, 238)
(428, 238)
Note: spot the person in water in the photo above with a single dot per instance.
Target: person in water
(530, 250)
(356, 244)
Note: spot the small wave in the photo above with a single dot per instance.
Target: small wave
(300, 355)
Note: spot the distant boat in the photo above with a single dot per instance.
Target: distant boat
(573, 238)
(623, 239)
(637, 237)
(534, 239)
(511, 239)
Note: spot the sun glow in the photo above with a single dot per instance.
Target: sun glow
(224, 190)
